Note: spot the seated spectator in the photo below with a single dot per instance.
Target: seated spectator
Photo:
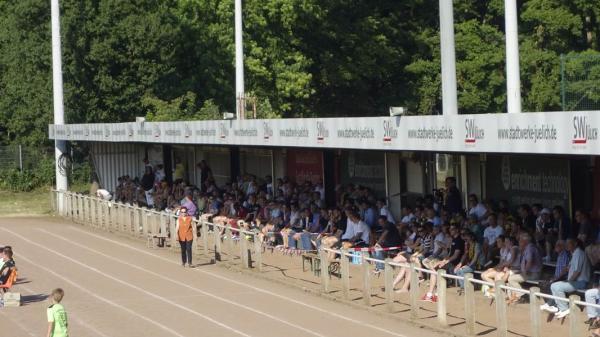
(407, 215)
(8, 264)
(476, 208)
(384, 211)
(560, 273)
(457, 249)
(490, 234)
(577, 278)
(509, 260)
(390, 237)
(357, 232)
(471, 261)
(530, 268)
(592, 296)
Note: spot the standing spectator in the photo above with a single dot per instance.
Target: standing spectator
(530, 269)
(179, 171)
(453, 197)
(205, 174)
(159, 174)
(147, 184)
(527, 218)
(185, 236)
(58, 325)
(577, 278)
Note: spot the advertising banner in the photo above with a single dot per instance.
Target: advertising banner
(540, 132)
(305, 165)
(528, 180)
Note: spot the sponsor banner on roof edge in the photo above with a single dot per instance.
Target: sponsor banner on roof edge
(550, 133)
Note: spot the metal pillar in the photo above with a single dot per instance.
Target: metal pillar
(513, 78)
(239, 61)
(60, 146)
(448, 54)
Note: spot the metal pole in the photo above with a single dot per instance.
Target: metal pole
(21, 157)
(239, 60)
(60, 146)
(513, 78)
(449, 100)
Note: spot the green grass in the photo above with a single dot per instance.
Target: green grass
(25, 203)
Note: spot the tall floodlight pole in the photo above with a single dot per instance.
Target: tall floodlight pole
(449, 100)
(239, 61)
(513, 77)
(60, 146)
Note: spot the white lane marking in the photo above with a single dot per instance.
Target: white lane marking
(352, 320)
(177, 305)
(72, 316)
(49, 271)
(187, 286)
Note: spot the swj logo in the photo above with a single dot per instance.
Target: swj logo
(583, 131)
(473, 132)
(389, 131)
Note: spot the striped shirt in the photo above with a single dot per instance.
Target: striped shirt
(562, 261)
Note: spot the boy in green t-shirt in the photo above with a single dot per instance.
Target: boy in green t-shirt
(57, 316)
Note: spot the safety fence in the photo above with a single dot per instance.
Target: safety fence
(219, 242)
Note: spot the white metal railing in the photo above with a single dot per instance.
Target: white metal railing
(141, 223)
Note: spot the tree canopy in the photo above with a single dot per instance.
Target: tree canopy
(174, 59)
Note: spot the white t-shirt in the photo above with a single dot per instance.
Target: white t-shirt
(479, 210)
(104, 194)
(408, 218)
(491, 234)
(386, 212)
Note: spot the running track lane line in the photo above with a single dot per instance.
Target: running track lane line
(188, 286)
(169, 330)
(223, 325)
(355, 321)
(18, 324)
(71, 316)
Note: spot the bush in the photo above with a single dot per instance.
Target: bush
(28, 180)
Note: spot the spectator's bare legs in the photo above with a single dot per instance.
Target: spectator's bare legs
(399, 259)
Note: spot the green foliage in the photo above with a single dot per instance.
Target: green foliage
(170, 60)
(28, 180)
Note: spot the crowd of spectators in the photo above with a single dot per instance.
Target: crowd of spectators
(436, 232)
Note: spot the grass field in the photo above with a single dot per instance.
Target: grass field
(25, 203)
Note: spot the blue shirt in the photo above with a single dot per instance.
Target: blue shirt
(562, 261)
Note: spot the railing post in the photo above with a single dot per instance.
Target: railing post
(345, 272)
(534, 310)
(366, 273)
(324, 271)
(469, 305)
(94, 211)
(229, 242)
(195, 237)
(172, 232)
(243, 249)
(414, 292)
(80, 208)
(219, 251)
(389, 284)
(205, 237)
(258, 252)
(441, 304)
(501, 320)
(574, 324)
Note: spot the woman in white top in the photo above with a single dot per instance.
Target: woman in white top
(491, 274)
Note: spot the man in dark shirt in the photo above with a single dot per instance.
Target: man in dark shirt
(527, 218)
(457, 249)
(453, 198)
(390, 237)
